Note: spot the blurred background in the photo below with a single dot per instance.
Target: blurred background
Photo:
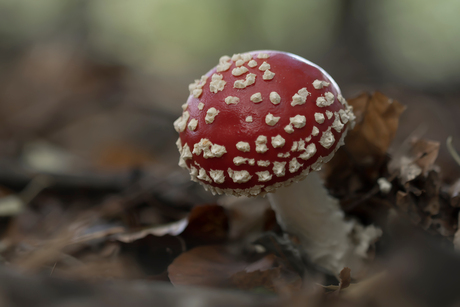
(94, 85)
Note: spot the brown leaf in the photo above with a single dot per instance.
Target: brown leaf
(345, 278)
(377, 119)
(210, 266)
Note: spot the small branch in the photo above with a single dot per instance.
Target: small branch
(452, 151)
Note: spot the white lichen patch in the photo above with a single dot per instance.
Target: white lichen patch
(252, 63)
(248, 119)
(200, 106)
(300, 97)
(275, 98)
(271, 120)
(264, 176)
(193, 124)
(257, 97)
(337, 124)
(309, 152)
(203, 176)
(217, 84)
(278, 141)
(289, 128)
(224, 64)
(211, 115)
(263, 163)
(181, 123)
(279, 168)
(217, 175)
(243, 146)
(329, 114)
(239, 176)
(327, 139)
(232, 100)
(319, 84)
(264, 66)
(238, 71)
(319, 118)
(261, 142)
(268, 75)
(294, 165)
(298, 121)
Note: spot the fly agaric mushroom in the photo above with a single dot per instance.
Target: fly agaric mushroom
(260, 121)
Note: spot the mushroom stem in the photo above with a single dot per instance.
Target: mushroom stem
(327, 236)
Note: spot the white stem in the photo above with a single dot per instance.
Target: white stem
(330, 240)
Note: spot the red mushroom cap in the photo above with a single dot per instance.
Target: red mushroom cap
(260, 120)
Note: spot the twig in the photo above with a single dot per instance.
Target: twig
(452, 151)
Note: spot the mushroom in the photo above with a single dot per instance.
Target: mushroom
(259, 122)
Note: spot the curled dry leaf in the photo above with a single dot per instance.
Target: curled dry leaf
(219, 266)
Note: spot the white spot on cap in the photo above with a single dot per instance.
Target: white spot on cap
(327, 139)
(294, 146)
(337, 124)
(264, 66)
(309, 152)
(200, 106)
(268, 75)
(196, 88)
(239, 160)
(248, 119)
(179, 144)
(211, 115)
(319, 84)
(251, 161)
(239, 63)
(289, 128)
(250, 79)
(224, 64)
(300, 98)
(193, 173)
(325, 101)
(217, 175)
(232, 100)
(238, 71)
(263, 163)
(329, 114)
(252, 63)
(239, 176)
(263, 56)
(243, 146)
(264, 176)
(271, 120)
(329, 97)
(261, 142)
(283, 155)
(217, 84)
(184, 106)
(294, 165)
(278, 141)
(341, 99)
(301, 145)
(319, 117)
(279, 168)
(192, 124)
(181, 123)
(298, 121)
(315, 131)
(308, 139)
(186, 153)
(344, 116)
(275, 98)
(208, 149)
(257, 97)
(203, 176)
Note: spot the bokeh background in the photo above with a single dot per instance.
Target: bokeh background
(94, 85)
